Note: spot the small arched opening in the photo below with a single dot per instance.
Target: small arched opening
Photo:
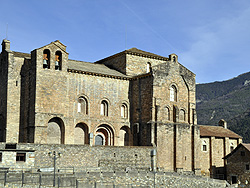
(182, 115)
(124, 111)
(104, 108)
(167, 113)
(149, 68)
(173, 93)
(82, 106)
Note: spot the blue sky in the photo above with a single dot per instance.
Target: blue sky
(211, 37)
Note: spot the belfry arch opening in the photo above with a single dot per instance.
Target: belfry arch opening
(104, 135)
(58, 60)
(55, 131)
(46, 59)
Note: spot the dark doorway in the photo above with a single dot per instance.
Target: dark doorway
(98, 140)
(234, 179)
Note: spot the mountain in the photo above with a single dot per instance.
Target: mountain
(228, 100)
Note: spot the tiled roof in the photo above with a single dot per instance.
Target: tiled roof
(94, 68)
(83, 66)
(99, 68)
(247, 146)
(217, 131)
(20, 54)
(135, 51)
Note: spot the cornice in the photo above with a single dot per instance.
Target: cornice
(110, 76)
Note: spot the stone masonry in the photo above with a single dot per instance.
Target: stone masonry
(132, 98)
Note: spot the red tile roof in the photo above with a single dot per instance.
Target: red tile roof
(217, 131)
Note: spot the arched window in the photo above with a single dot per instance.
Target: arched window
(149, 69)
(58, 60)
(104, 108)
(182, 115)
(173, 93)
(82, 106)
(124, 111)
(46, 59)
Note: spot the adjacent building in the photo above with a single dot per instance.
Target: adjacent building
(238, 165)
(216, 143)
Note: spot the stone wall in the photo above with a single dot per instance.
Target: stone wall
(9, 159)
(175, 147)
(137, 64)
(236, 166)
(56, 96)
(10, 85)
(117, 62)
(211, 160)
(110, 157)
(141, 109)
(110, 180)
(49, 100)
(95, 89)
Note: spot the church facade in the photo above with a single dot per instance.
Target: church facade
(132, 98)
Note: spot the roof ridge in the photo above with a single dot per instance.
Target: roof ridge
(134, 51)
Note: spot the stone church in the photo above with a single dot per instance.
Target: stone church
(133, 98)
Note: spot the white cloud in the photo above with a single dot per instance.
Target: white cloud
(218, 45)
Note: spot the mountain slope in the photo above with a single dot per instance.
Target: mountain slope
(229, 100)
(241, 124)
